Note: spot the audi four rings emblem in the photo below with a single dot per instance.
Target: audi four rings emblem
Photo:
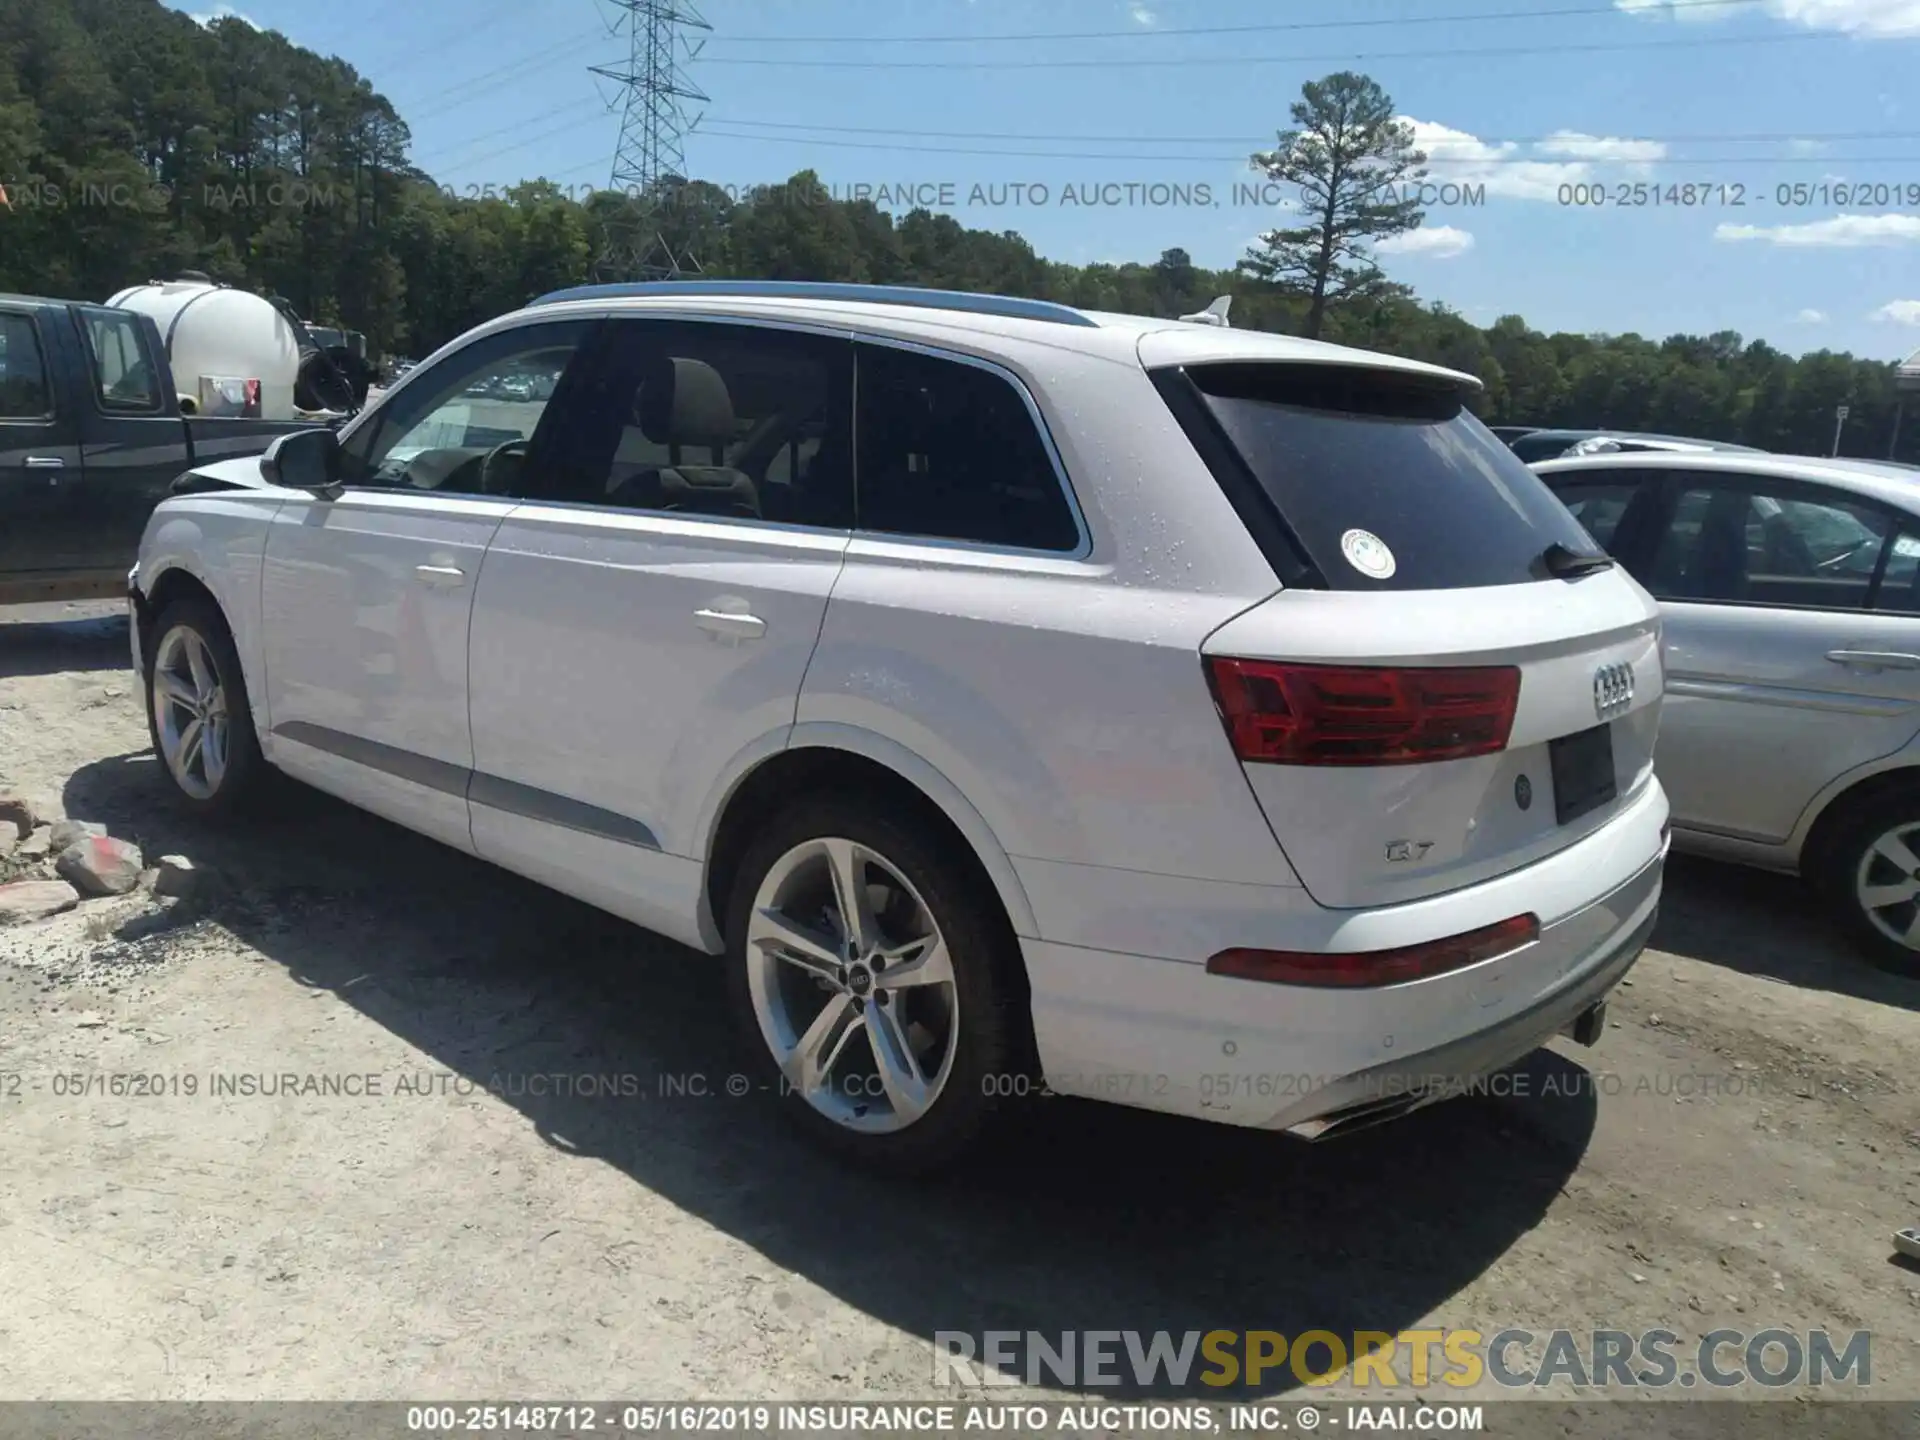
(1612, 690)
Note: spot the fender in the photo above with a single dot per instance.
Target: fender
(227, 557)
(855, 740)
(1907, 757)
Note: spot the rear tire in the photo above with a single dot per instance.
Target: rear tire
(894, 1046)
(1870, 874)
(198, 713)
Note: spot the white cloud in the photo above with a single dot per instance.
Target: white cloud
(1871, 19)
(1142, 13)
(1606, 149)
(224, 12)
(1455, 155)
(1841, 232)
(1900, 312)
(1439, 242)
(1686, 11)
(1812, 317)
(1806, 147)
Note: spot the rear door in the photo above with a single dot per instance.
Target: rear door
(133, 439)
(651, 613)
(1428, 704)
(1792, 649)
(41, 531)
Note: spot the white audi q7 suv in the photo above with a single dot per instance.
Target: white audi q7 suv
(1011, 696)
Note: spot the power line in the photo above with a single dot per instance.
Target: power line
(1267, 137)
(576, 107)
(1175, 62)
(519, 67)
(441, 42)
(1139, 32)
(1434, 159)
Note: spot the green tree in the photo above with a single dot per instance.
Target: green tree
(1347, 156)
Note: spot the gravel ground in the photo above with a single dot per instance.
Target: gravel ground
(469, 1232)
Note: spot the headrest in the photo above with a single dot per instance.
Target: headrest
(684, 402)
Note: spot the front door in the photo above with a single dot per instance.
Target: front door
(650, 618)
(366, 600)
(1788, 662)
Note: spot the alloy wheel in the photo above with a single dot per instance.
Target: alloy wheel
(1886, 885)
(852, 984)
(190, 712)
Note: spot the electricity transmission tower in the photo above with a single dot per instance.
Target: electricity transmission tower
(655, 119)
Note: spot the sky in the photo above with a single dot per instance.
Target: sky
(1561, 134)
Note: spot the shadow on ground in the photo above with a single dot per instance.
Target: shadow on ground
(1082, 1217)
(47, 639)
(1767, 925)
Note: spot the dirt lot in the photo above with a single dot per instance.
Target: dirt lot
(468, 1242)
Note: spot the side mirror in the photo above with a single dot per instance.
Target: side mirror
(305, 460)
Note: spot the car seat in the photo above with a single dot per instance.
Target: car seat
(684, 404)
(1719, 568)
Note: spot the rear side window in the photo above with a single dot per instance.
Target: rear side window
(1533, 448)
(950, 451)
(23, 377)
(1597, 505)
(1387, 482)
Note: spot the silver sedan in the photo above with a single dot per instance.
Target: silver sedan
(1790, 594)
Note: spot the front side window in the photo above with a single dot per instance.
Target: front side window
(950, 451)
(23, 374)
(466, 425)
(1755, 543)
(123, 372)
(1900, 582)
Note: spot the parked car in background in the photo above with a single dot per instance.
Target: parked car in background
(992, 762)
(1510, 433)
(91, 438)
(1537, 445)
(1790, 593)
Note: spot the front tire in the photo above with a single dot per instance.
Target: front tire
(1871, 874)
(886, 1036)
(198, 712)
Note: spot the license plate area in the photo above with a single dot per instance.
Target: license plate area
(1583, 777)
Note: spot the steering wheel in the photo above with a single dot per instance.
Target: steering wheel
(516, 448)
(1834, 562)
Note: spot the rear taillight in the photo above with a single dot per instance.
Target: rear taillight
(1284, 714)
(1361, 968)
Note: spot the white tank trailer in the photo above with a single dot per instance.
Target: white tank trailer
(217, 340)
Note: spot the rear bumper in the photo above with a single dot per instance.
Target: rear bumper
(1166, 1035)
(1393, 1089)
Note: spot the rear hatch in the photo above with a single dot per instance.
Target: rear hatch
(1455, 683)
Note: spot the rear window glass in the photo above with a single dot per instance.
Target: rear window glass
(1387, 482)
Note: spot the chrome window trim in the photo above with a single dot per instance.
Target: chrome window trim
(853, 334)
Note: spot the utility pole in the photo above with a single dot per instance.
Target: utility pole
(654, 123)
(1839, 419)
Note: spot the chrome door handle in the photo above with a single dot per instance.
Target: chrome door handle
(1876, 659)
(440, 574)
(45, 462)
(726, 622)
